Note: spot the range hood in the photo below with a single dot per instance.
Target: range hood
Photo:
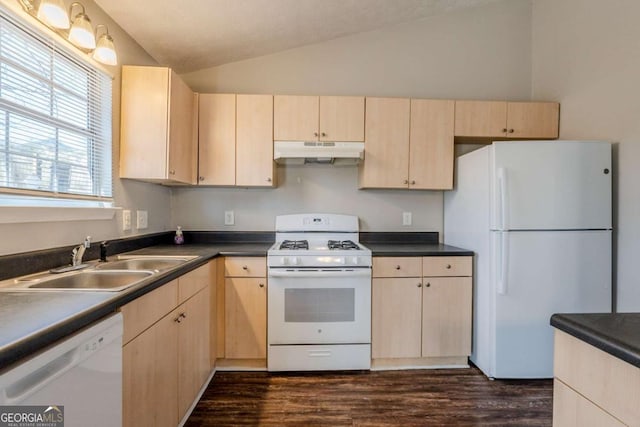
(301, 152)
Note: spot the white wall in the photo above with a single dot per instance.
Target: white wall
(586, 54)
(479, 53)
(132, 195)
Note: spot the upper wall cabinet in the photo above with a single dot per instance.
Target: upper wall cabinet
(158, 122)
(318, 118)
(499, 119)
(236, 140)
(409, 144)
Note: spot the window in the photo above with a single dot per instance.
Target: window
(55, 118)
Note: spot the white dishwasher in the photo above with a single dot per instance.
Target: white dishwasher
(82, 373)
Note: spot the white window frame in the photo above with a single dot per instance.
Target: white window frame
(25, 205)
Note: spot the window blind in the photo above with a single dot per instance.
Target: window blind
(55, 118)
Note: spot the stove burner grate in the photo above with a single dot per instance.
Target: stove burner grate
(294, 244)
(342, 244)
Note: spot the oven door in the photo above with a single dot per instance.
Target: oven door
(319, 306)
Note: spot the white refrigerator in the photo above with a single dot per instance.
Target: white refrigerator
(537, 214)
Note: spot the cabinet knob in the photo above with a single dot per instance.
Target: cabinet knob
(419, 285)
(172, 172)
(511, 130)
(268, 179)
(245, 268)
(397, 267)
(315, 134)
(177, 319)
(201, 178)
(428, 285)
(406, 181)
(413, 182)
(323, 134)
(504, 130)
(261, 285)
(448, 266)
(183, 315)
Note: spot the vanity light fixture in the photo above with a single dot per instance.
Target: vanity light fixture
(76, 27)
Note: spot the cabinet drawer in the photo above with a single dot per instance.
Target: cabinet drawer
(446, 266)
(143, 312)
(397, 267)
(192, 282)
(245, 267)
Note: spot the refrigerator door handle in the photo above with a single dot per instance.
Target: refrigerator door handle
(504, 261)
(502, 200)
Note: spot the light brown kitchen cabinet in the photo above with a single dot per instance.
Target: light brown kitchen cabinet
(318, 118)
(431, 144)
(243, 338)
(236, 140)
(421, 311)
(254, 141)
(501, 119)
(158, 126)
(217, 139)
(386, 144)
(168, 360)
(409, 144)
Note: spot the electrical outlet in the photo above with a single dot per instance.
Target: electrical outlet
(406, 218)
(142, 220)
(126, 220)
(229, 218)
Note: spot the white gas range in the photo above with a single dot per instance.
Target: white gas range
(319, 295)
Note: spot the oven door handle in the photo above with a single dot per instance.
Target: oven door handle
(361, 272)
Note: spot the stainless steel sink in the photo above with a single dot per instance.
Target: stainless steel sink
(143, 263)
(92, 280)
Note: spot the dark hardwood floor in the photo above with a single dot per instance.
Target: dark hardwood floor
(448, 397)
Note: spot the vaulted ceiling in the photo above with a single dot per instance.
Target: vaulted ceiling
(189, 35)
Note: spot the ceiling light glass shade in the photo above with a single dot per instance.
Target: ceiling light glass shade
(53, 13)
(105, 51)
(81, 32)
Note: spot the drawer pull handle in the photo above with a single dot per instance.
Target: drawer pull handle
(448, 266)
(183, 315)
(177, 319)
(397, 267)
(244, 267)
(262, 285)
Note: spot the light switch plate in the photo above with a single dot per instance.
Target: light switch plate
(126, 220)
(142, 220)
(406, 218)
(229, 218)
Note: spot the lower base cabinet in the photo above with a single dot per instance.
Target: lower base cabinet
(166, 365)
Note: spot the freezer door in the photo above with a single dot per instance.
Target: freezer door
(551, 185)
(538, 274)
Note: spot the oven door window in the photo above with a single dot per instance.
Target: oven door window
(319, 305)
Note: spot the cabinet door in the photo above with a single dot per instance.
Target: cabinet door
(144, 122)
(386, 158)
(217, 139)
(182, 139)
(342, 118)
(481, 118)
(295, 118)
(150, 377)
(431, 144)
(571, 409)
(532, 119)
(446, 316)
(193, 348)
(254, 141)
(395, 318)
(245, 318)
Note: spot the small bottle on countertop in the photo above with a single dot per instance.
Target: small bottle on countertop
(179, 237)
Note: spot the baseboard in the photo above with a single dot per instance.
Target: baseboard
(389, 364)
(241, 364)
(197, 399)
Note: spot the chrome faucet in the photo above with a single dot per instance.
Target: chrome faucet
(78, 252)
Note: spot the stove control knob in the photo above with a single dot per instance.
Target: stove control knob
(342, 260)
(295, 260)
(283, 261)
(354, 260)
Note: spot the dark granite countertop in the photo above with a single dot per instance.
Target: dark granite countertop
(416, 249)
(32, 320)
(615, 333)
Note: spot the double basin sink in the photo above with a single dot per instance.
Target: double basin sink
(111, 276)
